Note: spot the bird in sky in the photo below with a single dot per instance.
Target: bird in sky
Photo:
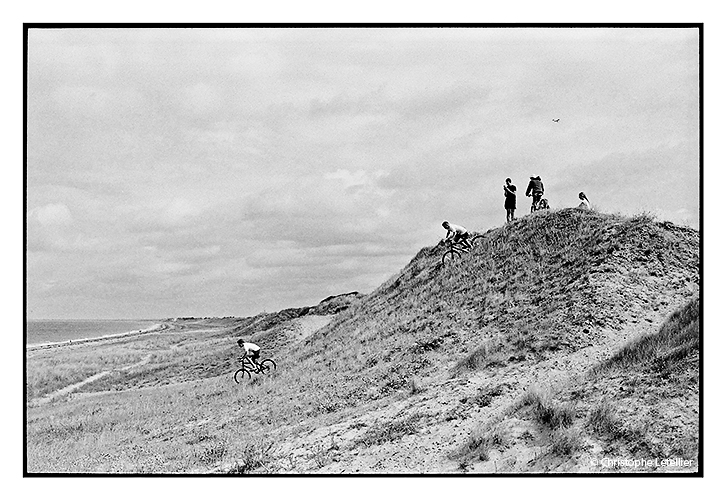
(556, 121)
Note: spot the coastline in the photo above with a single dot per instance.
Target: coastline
(49, 345)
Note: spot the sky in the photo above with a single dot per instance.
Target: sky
(218, 172)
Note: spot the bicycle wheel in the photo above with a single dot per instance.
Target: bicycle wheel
(267, 366)
(476, 238)
(240, 374)
(449, 257)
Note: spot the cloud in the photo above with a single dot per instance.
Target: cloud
(51, 215)
(176, 172)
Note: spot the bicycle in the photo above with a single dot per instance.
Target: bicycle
(539, 203)
(457, 248)
(264, 367)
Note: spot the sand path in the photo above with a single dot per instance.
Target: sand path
(307, 325)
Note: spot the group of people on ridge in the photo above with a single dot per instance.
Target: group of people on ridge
(535, 189)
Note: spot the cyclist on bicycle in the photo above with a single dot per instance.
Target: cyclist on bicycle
(251, 352)
(458, 233)
(536, 190)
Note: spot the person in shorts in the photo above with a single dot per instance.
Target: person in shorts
(458, 233)
(251, 351)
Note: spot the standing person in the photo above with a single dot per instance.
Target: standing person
(510, 199)
(536, 190)
(584, 202)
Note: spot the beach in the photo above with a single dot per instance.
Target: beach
(49, 345)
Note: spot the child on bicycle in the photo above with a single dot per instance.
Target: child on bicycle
(251, 351)
(458, 233)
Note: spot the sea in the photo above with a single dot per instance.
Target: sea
(60, 330)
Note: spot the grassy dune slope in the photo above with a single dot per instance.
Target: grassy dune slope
(495, 363)
(546, 284)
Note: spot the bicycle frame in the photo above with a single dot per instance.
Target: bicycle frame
(457, 246)
(249, 364)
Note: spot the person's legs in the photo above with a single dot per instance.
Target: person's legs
(535, 201)
(254, 357)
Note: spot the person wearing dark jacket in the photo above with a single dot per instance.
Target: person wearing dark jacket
(510, 199)
(535, 189)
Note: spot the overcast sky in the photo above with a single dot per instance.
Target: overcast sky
(225, 172)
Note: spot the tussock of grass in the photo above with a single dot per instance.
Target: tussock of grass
(212, 454)
(546, 411)
(254, 456)
(565, 442)
(323, 454)
(602, 420)
(482, 357)
(481, 442)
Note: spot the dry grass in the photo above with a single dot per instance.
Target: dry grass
(546, 411)
(664, 351)
(390, 431)
(523, 295)
(482, 441)
(52, 369)
(602, 420)
(566, 442)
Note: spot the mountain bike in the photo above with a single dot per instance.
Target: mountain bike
(248, 368)
(456, 249)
